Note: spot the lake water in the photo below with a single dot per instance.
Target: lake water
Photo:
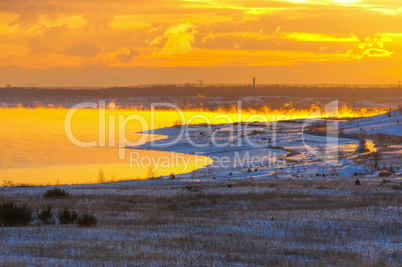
(35, 150)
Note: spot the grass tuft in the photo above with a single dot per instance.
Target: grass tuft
(87, 220)
(12, 214)
(67, 217)
(55, 192)
(46, 215)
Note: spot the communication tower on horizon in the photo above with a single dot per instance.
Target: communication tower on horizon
(201, 82)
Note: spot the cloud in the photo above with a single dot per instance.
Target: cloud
(76, 33)
(177, 39)
(376, 52)
(126, 58)
(370, 47)
(317, 37)
(84, 49)
(37, 46)
(294, 36)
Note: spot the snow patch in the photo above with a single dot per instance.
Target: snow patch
(350, 168)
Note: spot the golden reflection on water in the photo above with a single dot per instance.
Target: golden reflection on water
(34, 148)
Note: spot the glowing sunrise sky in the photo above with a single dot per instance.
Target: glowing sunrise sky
(123, 42)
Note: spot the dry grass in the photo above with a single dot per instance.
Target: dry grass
(254, 223)
(387, 156)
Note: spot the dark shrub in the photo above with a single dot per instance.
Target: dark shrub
(14, 215)
(46, 215)
(55, 192)
(384, 173)
(397, 187)
(193, 188)
(87, 220)
(67, 217)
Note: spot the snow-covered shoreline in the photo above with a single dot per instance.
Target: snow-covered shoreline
(277, 150)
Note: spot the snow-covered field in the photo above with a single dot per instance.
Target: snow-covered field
(215, 222)
(388, 123)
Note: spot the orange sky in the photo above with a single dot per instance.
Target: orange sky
(124, 42)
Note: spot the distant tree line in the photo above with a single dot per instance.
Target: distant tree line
(192, 90)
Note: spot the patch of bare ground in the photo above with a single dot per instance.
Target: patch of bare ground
(387, 157)
(253, 223)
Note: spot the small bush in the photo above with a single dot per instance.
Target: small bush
(55, 192)
(46, 215)
(192, 188)
(397, 187)
(67, 217)
(172, 176)
(87, 220)
(14, 215)
(384, 173)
